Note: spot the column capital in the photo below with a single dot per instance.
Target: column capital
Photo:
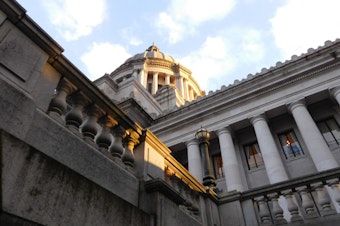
(191, 142)
(293, 105)
(223, 130)
(335, 91)
(260, 117)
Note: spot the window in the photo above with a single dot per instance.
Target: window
(290, 145)
(218, 166)
(330, 131)
(253, 155)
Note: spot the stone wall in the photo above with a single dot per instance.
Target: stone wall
(38, 188)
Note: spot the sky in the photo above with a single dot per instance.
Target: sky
(220, 41)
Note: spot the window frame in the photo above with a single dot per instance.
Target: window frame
(215, 167)
(257, 166)
(336, 142)
(300, 151)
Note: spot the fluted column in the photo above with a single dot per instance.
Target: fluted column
(167, 79)
(317, 147)
(230, 163)
(270, 154)
(336, 94)
(194, 159)
(154, 83)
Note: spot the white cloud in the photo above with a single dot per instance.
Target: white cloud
(252, 48)
(210, 61)
(217, 59)
(183, 16)
(103, 58)
(75, 18)
(303, 24)
(198, 11)
(173, 29)
(128, 34)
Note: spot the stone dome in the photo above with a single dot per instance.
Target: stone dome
(152, 52)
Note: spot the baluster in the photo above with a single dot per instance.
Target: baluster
(104, 138)
(334, 184)
(130, 140)
(323, 199)
(307, 202)
(90, 127)
(292, 207)
(116, 148)
(263, 210)
(58, 105)
(277, 210)
(74, 118)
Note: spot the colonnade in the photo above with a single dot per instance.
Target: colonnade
(319, 151)
(181, 83)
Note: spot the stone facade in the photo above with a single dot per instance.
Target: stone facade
(123, 151)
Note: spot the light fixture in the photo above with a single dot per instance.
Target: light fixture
(202, 135)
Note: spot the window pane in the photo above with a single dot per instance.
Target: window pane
(290, 145)
(326, 133)
(334, 129)
(253, 154)
(218, 167)
(330, 131)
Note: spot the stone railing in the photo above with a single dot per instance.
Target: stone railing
(301, 200)
(89, 114)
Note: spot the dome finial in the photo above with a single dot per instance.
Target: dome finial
(153, 47)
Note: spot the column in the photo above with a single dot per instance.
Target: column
(317, 147)
(186, 89)
(194, 159)
(230, 163)
(143, 77)
(180, 85)
(154, 83)
(271, 157)
(135, 74)
(167, 79)
(336, 94)
(191, 94)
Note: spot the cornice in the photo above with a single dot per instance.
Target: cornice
(244, 91)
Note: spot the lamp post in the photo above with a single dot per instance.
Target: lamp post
(202, 135)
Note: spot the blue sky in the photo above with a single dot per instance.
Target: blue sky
(219, 40)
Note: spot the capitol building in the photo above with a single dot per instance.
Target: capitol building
(145, 145)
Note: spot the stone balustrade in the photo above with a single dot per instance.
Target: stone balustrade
(90, 115)
(174, 180)
(299, 200)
